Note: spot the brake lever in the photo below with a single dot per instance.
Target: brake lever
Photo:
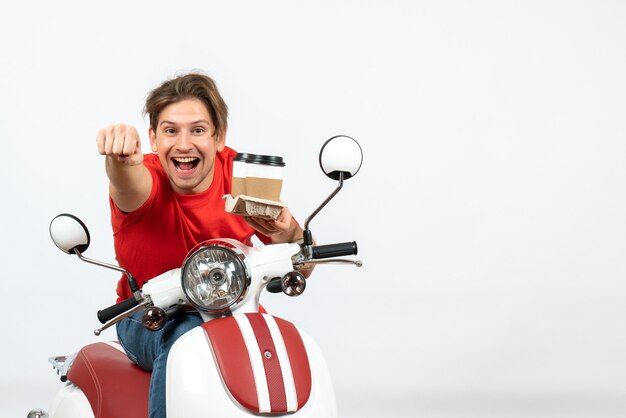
(357, 263)
(126, 314)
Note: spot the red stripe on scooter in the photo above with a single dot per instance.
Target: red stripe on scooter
(273, 371)
(298, 359)
(233, 360)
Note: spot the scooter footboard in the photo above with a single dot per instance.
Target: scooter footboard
(248, 365)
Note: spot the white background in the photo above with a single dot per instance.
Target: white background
(489, 210)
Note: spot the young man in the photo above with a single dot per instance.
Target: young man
(164, 203)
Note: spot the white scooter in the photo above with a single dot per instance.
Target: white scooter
(239, 363)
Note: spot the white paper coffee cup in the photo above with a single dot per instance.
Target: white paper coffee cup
(263, 176)
(239, 175)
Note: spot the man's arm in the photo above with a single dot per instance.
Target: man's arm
(130, 181)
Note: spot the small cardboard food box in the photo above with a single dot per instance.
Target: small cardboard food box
(251, 206)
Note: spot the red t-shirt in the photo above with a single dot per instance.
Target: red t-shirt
(157, 237)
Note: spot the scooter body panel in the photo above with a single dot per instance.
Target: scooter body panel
(195, 386)
(70, 402)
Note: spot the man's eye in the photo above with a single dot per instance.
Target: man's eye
(169, 131)
(198, 131)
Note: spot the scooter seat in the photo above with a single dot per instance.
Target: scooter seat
(114, 385)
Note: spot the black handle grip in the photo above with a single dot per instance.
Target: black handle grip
(111, 312)
(335, 250)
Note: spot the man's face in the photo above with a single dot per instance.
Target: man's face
(186, 144)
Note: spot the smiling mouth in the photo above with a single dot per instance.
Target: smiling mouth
(185, 163)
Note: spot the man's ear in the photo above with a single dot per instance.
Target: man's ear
(220, 141)
(152, 136)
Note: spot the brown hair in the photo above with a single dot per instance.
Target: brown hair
(188, 86)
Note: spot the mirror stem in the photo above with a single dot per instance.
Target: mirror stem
(308, 237)
(131, 280)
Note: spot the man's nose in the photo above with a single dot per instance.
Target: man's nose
(184, 141)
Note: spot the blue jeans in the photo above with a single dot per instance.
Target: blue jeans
(149, 350)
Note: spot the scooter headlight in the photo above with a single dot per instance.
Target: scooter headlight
(214, 276)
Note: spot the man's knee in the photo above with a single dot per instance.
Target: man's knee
(178, 326)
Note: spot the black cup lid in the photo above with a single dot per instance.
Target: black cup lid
(260, 159)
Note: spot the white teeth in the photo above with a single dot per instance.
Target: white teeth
(185, 159)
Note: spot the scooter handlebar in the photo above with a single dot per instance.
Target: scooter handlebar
(111, 312)
(335, 250)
